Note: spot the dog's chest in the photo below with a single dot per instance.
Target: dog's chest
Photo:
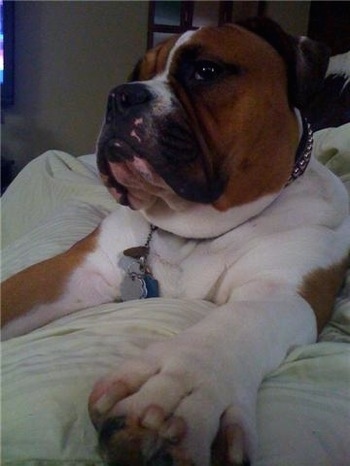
(190, 268)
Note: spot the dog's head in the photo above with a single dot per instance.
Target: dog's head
(208, 117)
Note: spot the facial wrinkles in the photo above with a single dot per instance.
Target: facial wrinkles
(193, 115)
(187, 103)
(167, 92)
(156, 76)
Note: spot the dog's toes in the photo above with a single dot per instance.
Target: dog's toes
(165, 409)
(236, 439)
(228, 448)
(123, 442)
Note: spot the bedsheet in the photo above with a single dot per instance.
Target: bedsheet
(303, 406)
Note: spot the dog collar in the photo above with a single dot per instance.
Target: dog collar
(303, 154)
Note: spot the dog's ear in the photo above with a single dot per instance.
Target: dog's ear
(312, 59)
(306, 60)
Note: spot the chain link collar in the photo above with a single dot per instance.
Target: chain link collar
(304, 151)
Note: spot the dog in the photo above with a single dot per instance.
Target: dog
(207, 148)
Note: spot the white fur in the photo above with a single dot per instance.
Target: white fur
(296, 234)
(339, 65)
(181, 41)
(253, 272)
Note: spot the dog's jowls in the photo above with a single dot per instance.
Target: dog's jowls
(201, 143)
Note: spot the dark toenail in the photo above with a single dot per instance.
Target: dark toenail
(161, 458)
(110, 426)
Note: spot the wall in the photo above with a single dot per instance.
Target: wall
(68, 56)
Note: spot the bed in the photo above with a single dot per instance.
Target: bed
(303, 407)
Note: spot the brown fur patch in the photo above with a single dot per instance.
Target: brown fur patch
(319, 289)
(250, 131)
(43, 282)
(244, 124)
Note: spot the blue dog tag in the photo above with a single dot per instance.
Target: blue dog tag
(138, 282)
(151, 285)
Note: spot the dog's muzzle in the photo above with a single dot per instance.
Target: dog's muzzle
(143, 122)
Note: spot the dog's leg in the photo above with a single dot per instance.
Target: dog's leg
(167, 406)
(55, 287)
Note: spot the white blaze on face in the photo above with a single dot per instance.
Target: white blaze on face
(159, 84)
(185, 37)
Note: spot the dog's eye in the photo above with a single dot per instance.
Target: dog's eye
(207, 71)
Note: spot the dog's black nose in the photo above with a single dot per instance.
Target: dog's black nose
(129, 95)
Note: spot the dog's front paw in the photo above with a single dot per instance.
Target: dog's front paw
(173, 406)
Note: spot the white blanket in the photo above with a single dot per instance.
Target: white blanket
(303, 408)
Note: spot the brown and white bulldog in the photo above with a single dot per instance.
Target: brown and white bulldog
(206, 149)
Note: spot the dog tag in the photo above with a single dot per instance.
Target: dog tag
(136, 252)
(151, 285)
(138, 282)
(133, 287)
